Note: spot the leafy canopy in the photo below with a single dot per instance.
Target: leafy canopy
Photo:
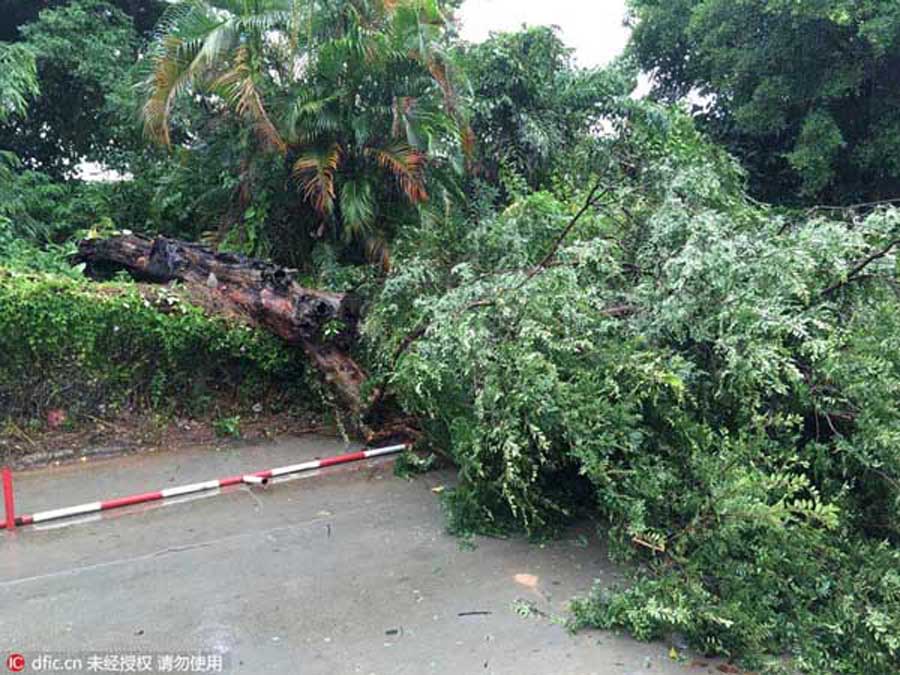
(803, 91)
(531, 106)
(356, 96)
(16, 13)
(83, 51)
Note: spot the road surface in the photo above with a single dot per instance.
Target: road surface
(346, 571)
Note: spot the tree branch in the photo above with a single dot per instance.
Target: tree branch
(593, 197)
(859, 267)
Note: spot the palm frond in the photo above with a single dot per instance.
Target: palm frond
(190, 42)
(311, 116)
(241, 7)
(314, 171)
(357, 208)
(271, 20)
(408, 167)
(238, 87)
(194, 41)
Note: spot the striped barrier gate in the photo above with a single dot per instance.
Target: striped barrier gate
(256, 478)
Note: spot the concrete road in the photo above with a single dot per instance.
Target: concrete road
(346, 571)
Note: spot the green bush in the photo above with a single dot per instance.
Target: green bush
(717, 384)
(92, 349)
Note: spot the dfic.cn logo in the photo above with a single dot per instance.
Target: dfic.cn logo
(15, 662)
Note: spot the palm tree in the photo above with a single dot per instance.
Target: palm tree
(357, 95)
(213, 46)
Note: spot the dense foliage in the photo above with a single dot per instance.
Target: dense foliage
(354, 102)
(719, 385)
(571, 292)
(144, 13)
(805, 92)
(18, 80)
(528, 100)
(84, 52)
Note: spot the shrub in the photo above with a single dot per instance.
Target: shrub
(95, 348)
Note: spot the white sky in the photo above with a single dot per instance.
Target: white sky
(594, 28)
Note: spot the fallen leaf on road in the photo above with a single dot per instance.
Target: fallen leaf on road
(528, 580)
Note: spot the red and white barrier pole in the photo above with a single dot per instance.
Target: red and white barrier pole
(257, 478)
(9, 502)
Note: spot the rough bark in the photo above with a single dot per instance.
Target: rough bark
(260, 293)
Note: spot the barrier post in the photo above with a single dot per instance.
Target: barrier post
(8, 500)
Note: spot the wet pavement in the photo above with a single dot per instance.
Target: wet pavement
(345, 570)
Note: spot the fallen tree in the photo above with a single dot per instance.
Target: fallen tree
(233, 286)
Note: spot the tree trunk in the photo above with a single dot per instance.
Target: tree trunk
(234, 286)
